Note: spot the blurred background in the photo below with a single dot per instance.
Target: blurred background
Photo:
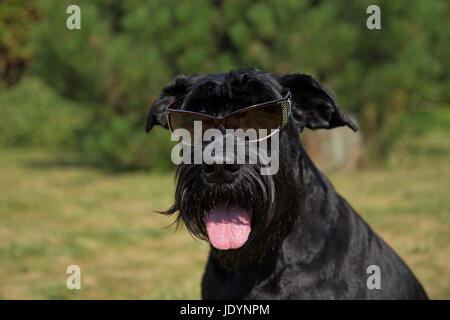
(80, 180)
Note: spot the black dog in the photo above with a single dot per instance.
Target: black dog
(306, 241)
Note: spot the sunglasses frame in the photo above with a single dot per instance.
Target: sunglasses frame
(285, 104)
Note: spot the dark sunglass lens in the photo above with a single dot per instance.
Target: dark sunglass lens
(188, 122)
(261, 119)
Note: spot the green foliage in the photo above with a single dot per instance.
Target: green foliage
(126, 51)
(118, 145)
(16, 18)
(398, 138)
(33, 115)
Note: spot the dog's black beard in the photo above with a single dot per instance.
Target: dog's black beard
(268, 198)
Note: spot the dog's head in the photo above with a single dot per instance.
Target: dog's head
(243, 213)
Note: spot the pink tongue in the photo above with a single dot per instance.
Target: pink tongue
(227, 227)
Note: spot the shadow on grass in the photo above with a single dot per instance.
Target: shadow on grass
(74, 161)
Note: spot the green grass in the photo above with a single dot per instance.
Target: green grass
(54, 214)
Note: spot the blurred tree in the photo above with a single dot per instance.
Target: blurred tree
(16, 18)
(126, 51)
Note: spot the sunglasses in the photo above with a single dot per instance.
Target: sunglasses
(265, 118)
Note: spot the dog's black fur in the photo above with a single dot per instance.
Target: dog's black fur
(306, 241)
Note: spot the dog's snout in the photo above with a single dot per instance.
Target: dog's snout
(220, 172)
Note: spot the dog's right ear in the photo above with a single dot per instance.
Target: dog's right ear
(177, 89)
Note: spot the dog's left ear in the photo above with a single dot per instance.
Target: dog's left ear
(174, 91)
(314, 105)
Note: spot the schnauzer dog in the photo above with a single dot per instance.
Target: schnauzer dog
(288, 235)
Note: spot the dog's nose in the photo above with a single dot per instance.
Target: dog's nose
(220, 173)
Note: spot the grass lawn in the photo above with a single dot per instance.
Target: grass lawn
(54, 214)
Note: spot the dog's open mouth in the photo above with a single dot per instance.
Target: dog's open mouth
(228, 227)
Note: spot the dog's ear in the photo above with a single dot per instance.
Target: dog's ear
(174, 91)
(314, 105)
